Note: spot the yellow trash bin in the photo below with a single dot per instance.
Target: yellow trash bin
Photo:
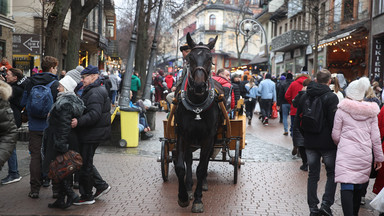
(129, 121)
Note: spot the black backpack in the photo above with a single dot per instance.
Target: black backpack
(312, 117)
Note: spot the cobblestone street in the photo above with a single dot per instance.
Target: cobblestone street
(270, 182)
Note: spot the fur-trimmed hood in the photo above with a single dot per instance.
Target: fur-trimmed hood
(359, 110)
(5, 91)
(71, 98)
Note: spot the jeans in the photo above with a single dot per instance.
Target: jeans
(314, 164)
(12, 165)
(292, 122)
(114, 93)
(35, 140)
(285, 110)
(266, 107)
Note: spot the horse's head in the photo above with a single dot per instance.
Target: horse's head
(200, 62)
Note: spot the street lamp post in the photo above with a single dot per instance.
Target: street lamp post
(249, 27)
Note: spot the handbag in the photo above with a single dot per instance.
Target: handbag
(274, 111)
(64, 165)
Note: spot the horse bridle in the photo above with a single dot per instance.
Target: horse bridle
(189, 105)
(198, 67)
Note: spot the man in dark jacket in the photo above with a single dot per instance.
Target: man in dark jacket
(17, 81)
(235, 81)
(320, 145)
(37, 125)
(93, 127)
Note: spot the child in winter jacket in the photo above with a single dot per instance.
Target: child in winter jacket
(356, 134)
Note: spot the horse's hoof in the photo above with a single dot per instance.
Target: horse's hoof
(190, 195)
(197, 208)
(183, 204)
(205, 186)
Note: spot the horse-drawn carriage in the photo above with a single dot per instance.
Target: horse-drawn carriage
(230, 141)
(198, 120)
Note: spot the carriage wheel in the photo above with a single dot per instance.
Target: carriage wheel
(240, 152)
(164, 160)
(236, 162)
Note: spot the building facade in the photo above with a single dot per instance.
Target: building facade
(28, 39)
(6, 29)
(207, 19)
(376, 69)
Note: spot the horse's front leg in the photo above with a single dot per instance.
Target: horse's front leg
(201, 173)
(188, 179)
(183, 200)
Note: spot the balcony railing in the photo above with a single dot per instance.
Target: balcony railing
(290, 40)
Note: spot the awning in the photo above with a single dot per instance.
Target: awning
(337, 37)
(257, 60)
(343, 32)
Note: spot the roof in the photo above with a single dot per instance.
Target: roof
(257, 60)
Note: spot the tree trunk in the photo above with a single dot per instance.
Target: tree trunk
(142, 49)
(54, 30)
(78, 15)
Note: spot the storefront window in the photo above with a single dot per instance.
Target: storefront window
(289, 67)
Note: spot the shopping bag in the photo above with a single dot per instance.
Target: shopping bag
(257, 108)
(378, 202)
(274, 111)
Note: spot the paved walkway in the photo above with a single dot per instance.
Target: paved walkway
(270, 183)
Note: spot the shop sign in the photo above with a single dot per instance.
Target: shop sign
(377, 58)
(308, 51)
(279, 58)
(26, 44)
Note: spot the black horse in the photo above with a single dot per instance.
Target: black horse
(197, 118)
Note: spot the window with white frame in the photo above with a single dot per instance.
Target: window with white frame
(212, 22)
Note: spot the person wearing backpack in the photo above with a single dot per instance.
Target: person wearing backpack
(40, 94)
(356, 134)
(318, 141)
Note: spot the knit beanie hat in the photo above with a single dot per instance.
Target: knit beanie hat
(356, 89)
(75, 73)
(68, 83)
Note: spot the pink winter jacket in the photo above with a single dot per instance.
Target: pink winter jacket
(356, 133)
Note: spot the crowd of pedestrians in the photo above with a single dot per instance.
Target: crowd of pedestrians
(345, 135)
(56, 112)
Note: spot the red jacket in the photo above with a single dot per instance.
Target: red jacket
(292, 91)
(7, 65)
(379, 182)
(169, 80)
(226, 84)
